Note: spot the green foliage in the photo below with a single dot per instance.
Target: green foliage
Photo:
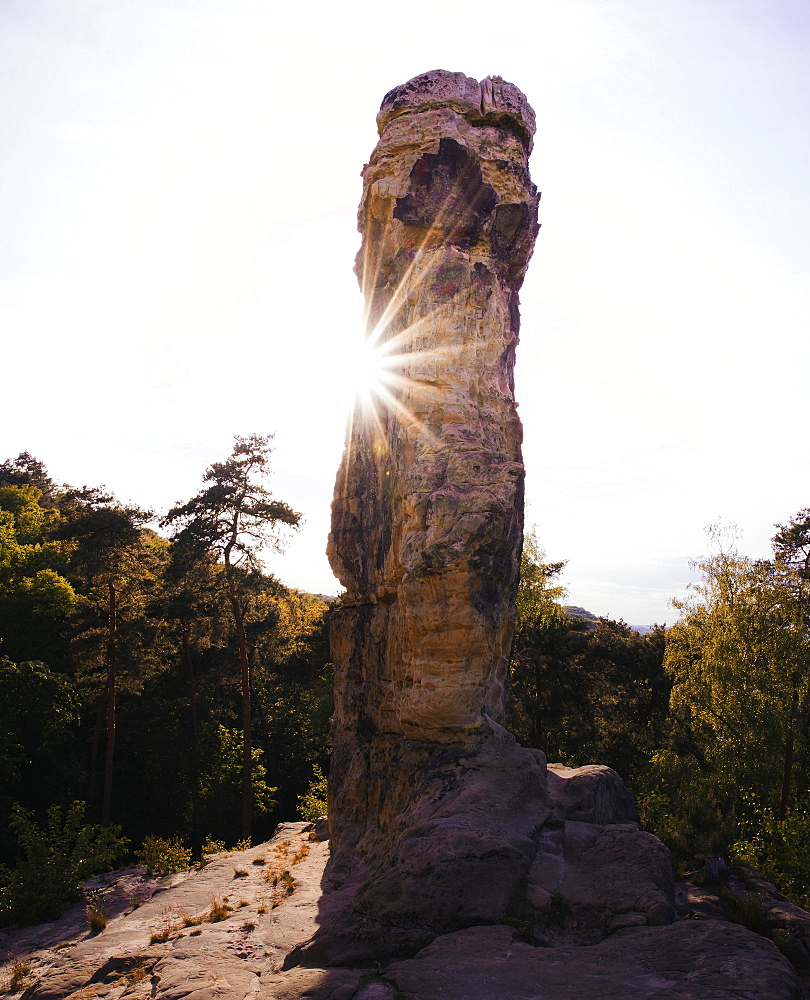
(234, 518)
(38, 709)
(220, 772)
(211, 846)
(55, 861)
(582, 692)
(735, 753)
(122, 645)
(685, 807)
(164, 857)
(538, 597)
(35, 597)
(738, 660)
(778, 848)
(313, 802)
(236, 515)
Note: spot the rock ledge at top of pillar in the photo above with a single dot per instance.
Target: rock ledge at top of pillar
(492, 101)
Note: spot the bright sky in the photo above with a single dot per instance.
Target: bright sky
(178, 188)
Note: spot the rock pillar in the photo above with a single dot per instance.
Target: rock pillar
(427, 515)
(445, 832)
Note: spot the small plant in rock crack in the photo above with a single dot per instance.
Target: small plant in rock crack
(168, 925)
(137, 972)
(96, 909)
(14, 977)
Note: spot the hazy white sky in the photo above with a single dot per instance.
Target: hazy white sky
(178, 189)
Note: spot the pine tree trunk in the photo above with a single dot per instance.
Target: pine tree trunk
(784, 795)
(110, 747)
(93, 790)
(244, 671)
(195, 764)
(538, 689)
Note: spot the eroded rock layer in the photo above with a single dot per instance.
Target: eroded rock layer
(427, 515)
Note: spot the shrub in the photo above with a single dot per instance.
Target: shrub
(690, 811)
(54, 863)
(212, 846)
(164, 857)
(778, 848)
(313, 802)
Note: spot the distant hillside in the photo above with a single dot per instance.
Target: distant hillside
(574, 612)
(584, 615)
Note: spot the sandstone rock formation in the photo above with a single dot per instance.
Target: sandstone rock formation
(427, 517)
(442, 827)
(162, 950)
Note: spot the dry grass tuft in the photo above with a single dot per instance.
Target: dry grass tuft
(96, 909)
(219, 910)
(277, 874)
(86, 993)
(14, 977)
(170, 923)
(239, 873)
(301, 853)
(137, 972)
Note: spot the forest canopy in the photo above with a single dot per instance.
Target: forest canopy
(128, 642)
(122, 649)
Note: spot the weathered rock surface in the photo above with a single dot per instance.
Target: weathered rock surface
(688, 960)
(452, 846)
(743, 895)
(685, 961)
(427, 522)
(166, 946)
